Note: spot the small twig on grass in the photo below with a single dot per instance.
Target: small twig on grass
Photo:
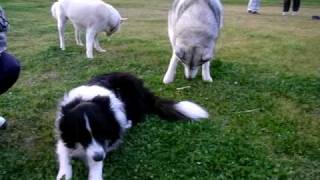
(182, 88)
(248, 111)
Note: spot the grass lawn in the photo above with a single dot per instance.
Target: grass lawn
(264, 101)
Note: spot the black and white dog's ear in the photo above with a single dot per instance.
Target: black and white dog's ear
(102, 101)
(68, 107)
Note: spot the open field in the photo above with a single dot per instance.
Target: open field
(264, 101)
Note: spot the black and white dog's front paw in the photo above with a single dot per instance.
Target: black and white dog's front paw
(3, 123)
(64, 174)
(128, 125)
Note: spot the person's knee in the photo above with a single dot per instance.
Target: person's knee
(15, 69)
(12, 65)
(10, 70)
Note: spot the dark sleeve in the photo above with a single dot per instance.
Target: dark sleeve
(3, 21)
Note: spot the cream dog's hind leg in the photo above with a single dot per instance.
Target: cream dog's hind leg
(61, 21)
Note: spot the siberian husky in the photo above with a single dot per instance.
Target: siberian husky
(193, 28)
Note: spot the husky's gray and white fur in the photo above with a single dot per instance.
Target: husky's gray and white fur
(193, 27)
(91, 16)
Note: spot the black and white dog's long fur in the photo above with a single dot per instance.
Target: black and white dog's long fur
(92, 118)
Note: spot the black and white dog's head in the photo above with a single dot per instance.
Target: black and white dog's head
(91, 119)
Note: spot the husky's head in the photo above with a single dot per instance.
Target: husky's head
(194, 48)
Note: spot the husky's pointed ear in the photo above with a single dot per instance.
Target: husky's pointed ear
(123, 19)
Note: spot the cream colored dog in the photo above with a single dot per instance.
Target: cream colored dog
(91, 16)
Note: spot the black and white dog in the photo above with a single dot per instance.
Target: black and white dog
(92, 118)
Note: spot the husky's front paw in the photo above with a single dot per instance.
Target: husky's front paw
(207, 79)
(89, 54)
(90, 57)
(168, 79)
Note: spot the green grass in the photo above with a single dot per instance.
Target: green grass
(264, 102)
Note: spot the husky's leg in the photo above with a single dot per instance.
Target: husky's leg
(97, 44)
(95, 169)
(61, 21)
(65, 169)
(206, 72)
(90, 34)
(171, 72)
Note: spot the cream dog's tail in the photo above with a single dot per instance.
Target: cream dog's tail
(54, 9)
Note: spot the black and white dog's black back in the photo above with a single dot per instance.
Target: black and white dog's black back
(92, 118)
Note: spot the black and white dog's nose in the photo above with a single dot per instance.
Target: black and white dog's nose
(98, 157)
